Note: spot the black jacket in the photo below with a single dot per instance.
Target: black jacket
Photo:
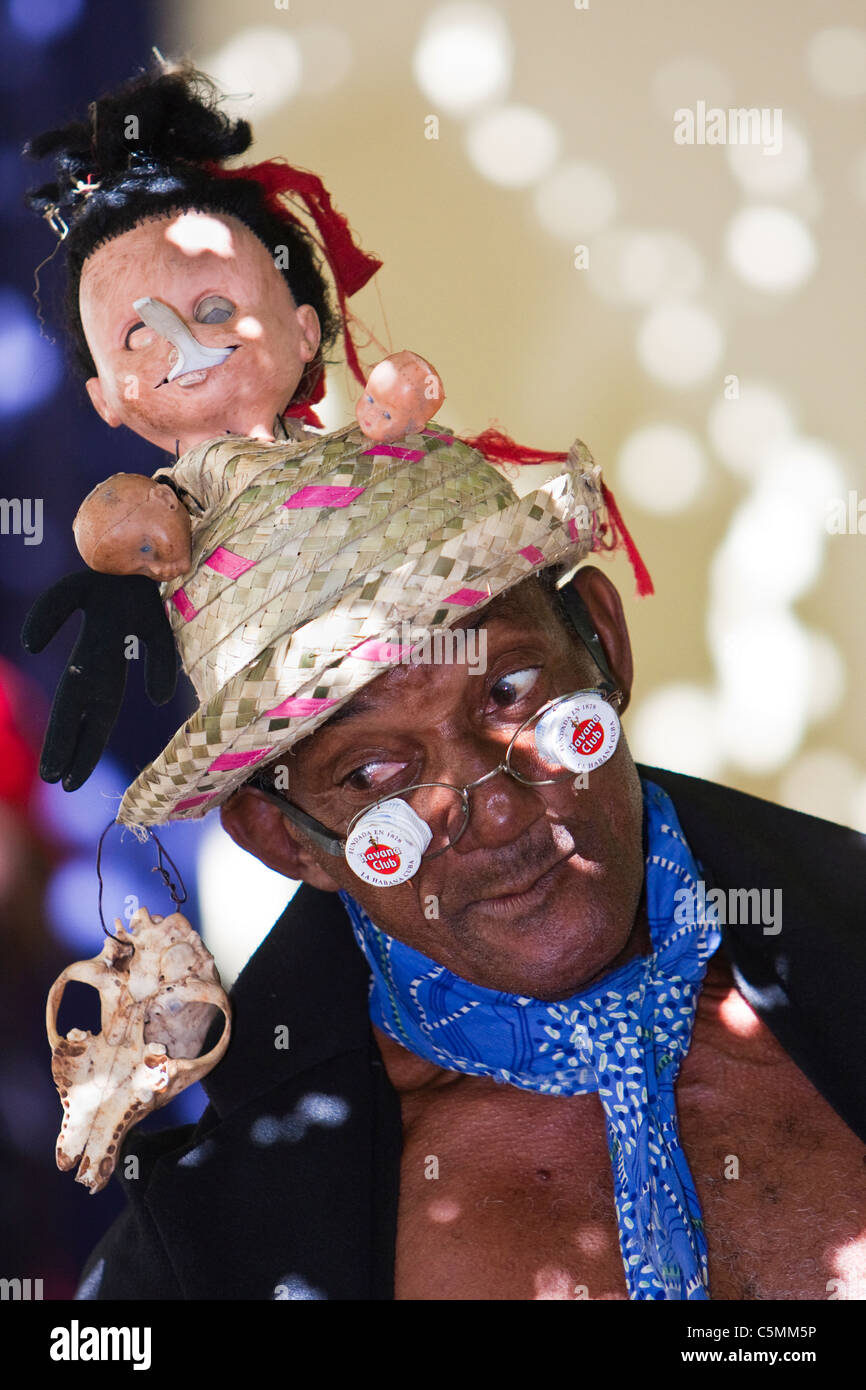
(238, 1208)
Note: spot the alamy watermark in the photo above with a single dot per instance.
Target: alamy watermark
(739, 125)
(22, 516)
(733, 906)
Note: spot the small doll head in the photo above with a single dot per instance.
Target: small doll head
(131, 524)
(402, 393)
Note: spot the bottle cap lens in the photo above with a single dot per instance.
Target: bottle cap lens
(580, 735)
(386, 845)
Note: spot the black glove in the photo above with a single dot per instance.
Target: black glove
(90, 691)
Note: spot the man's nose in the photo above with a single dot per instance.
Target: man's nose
(500, 808)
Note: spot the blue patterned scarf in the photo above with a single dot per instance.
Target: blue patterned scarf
(624, 1037)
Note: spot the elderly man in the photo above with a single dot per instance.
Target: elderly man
(517, 1036)
(370, 1159)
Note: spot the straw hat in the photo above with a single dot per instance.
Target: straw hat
(304, 572)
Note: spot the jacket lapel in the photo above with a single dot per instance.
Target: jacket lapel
(806, 980)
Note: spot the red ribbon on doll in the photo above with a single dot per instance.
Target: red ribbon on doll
(351, 267)
(498, 447)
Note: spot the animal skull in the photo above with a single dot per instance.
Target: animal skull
(157, 1003)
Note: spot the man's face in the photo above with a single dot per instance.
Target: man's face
(540, 892)
(223, 284)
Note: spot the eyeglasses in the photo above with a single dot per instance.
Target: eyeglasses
(386, 839)
(566, 737)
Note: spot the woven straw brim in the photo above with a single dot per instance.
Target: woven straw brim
(298, 596)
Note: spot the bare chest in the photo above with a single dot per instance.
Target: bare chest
(507, 1194)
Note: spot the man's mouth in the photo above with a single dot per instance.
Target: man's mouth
(519, 897)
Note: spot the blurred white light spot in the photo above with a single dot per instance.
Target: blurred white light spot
(771, 175)
(676, 726)
(823, 783)
(662, 468)
(513, 146)
(258, 70)
(836, 61)
(326, 56)
(575, 200)
(810, 469)
(679, 344)
(463, 58)
(743, 431)
(828, 677)
(240, 900)
(770, 248)
(638, 267)
(685, 81)
(772, 551)
(774, 547)
(764, 677)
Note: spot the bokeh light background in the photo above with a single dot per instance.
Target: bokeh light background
(693, 312)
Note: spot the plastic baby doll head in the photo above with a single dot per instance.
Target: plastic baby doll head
(402, 393)
(130, 524)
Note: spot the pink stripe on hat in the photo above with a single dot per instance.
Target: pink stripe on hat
(532, 554)
(183, 604)
(226, 761)
(194, 801)
(572, 529)
(298, 704)
(395, 452)
(374, 650)
(227, 562)
(317, 495)
(466, 597)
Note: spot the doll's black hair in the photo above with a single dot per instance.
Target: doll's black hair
(144, 144)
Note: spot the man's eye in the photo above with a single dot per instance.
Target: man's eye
(387, 415)
(370, 399)
(213, 309)
(371, 776)
(511, 689)
(146, 549)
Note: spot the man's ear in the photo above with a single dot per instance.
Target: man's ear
(93, 387)
(605, 608)
(256, 825)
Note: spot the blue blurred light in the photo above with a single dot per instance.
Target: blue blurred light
(30, 366)
(71, 900)
(44, 19)
(79, 817)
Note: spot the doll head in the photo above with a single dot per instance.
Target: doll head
(130, 524)
(402, 393)
(148, 153)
